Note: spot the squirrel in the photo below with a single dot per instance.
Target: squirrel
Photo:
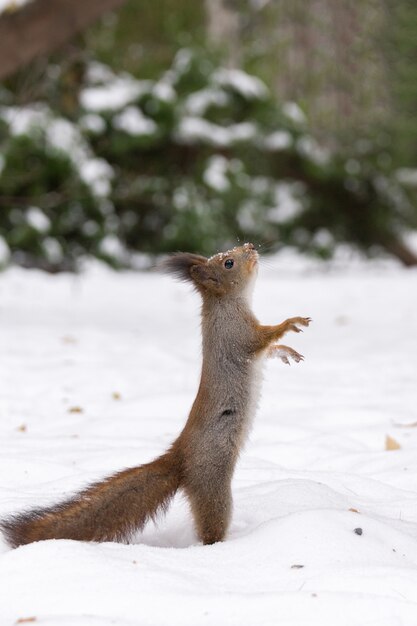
(202, 459)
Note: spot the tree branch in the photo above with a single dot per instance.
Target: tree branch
(42, 26)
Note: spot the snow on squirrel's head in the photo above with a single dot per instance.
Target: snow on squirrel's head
(230, 272)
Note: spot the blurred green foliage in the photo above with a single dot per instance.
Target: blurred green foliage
(142, 39)
(197, 159)
(53, 237)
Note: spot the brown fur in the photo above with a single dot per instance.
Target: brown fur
(202, 459)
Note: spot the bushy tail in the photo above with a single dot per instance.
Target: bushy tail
(110, 510)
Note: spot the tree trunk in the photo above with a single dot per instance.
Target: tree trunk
(401, 251)
(223, 28)
(42, 26)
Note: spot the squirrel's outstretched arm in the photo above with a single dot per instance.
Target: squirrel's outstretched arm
(269, 334)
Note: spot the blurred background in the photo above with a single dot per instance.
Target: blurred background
(134, 128)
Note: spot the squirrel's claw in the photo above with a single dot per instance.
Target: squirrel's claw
(295, 322)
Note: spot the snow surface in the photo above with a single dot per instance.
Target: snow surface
(98, 372)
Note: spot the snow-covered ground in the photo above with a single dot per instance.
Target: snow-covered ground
(98, 372)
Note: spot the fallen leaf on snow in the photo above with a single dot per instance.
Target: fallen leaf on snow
(26, 620)
(391, 443)
(75, 409)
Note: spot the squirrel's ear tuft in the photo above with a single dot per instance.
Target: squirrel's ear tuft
(180, 264)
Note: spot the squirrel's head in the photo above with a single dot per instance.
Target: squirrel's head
(230, 272)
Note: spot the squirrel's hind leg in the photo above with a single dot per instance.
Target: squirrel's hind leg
(211, 506)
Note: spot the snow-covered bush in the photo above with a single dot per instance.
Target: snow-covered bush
(196, 159)
(54, 192)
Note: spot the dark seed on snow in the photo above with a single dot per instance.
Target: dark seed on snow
(358, 531)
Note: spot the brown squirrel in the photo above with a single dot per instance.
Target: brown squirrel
(201, 460)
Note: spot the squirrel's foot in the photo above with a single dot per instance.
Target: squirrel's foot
(284, 353)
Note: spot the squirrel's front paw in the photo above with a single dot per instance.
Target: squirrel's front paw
(284, 353)
(293, 323)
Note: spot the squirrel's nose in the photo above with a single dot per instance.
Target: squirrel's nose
(249, 246)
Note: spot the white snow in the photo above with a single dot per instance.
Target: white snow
(23, 119)
(133, 122)
(215, 175)
(288, 204)
(310, 148)
(93, 122)
(112, 246)
(191, 129)
(37, 219)
(4, 251)
(197, 103)
(248, 86)
(293, 112)
(324, 238)
(97, 173)
(98, 372)
(163, 90)
(99, 73)
(410, 237)
(53, 249)
(278, 140)
(115, 94)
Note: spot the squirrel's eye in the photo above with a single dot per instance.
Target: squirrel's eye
(229, 264)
